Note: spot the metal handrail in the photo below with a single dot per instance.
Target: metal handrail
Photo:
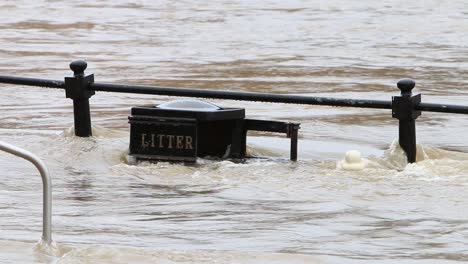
(80, 88)
(234, 95)
(46, 187)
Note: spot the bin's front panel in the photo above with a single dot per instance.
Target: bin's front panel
(164, 140)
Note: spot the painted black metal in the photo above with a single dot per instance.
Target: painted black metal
(173, 139)
(242, 96)
(222, 139)
(76, 88)
(293, 134)
(231, 95)
(221, 114)
(442, 108)
(84, 87)
(218, 133)
(404, 109)
(32, 82)
(266, 125)
(290, 129)
(238, 139)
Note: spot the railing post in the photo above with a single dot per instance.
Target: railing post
(403, 109)
(76, 88)
(293, 134)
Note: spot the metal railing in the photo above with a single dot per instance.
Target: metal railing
(406, 107)
(46, 187)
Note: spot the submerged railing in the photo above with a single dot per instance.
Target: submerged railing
(46, 187)
(406, 107)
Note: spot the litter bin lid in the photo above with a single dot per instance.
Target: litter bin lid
(189, 105)
(189, 108)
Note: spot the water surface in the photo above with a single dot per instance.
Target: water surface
(267, 210)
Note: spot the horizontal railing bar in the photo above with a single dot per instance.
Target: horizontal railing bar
(243, 96)
(232, 95)
(442, 108)
(32, 82)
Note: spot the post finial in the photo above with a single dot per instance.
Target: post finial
(406, 85)
(78, 67)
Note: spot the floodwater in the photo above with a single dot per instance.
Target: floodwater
(266, 210)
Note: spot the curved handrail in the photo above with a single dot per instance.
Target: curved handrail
(46, 187)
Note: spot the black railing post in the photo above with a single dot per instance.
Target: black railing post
(76, 88)
(293, 134)
(403, 109)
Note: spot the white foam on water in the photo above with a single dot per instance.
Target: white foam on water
(103, 254)
(98, 131)
(87, 171)
(110, 148)
(25, 252)
(431, 163)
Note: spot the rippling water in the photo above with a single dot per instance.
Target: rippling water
(267, 210)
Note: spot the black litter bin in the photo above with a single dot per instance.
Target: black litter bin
(183, 130)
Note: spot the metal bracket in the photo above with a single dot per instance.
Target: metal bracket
(290, 129)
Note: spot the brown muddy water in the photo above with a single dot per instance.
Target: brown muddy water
(266, 210)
